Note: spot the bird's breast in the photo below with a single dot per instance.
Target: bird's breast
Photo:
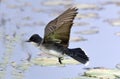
(51, 52)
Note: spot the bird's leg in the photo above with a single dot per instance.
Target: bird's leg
(59, 59)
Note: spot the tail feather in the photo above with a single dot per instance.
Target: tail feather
(78, 54)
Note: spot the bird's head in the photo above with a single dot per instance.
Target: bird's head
(35, 38)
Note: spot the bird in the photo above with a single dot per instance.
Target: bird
(56, 38)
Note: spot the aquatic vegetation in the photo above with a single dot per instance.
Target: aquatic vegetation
(15, 14)
(88, 6)
(56, 3)
(52, 61)
(103, 73)
(114, 22)
(77, 39)
(80, 24)
(100, 73)
(88, 15)
(111, 2)
(87, 32)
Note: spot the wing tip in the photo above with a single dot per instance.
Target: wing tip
(73, 8)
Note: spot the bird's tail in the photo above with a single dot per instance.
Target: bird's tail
(78, 54)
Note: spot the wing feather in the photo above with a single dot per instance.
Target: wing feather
(58, 30)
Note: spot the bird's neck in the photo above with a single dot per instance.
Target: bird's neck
(39, 41)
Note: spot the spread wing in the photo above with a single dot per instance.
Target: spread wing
(58, 30)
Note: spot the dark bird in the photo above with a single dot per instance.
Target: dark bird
(56, 38)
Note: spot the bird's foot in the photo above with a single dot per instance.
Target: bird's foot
(59, 59)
